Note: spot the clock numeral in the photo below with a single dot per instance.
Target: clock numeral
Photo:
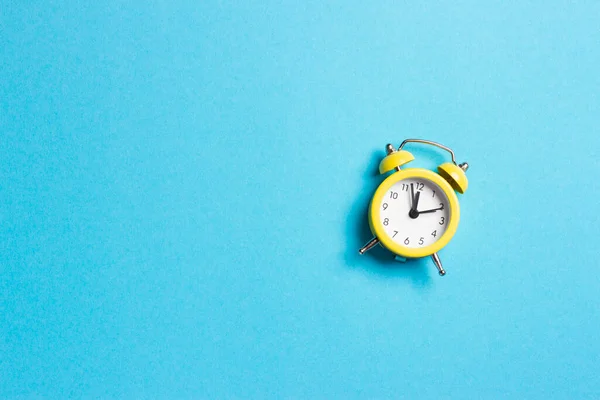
(404, 187)
(441, 206)
(434, 233)
(406, 241)
(385, 206)
(421, 241)
(395, 233)
(386, 221)
(420, 186)
(442, 221)
(393, 195)
(433, 194)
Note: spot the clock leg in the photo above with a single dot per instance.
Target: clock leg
(372, 243)
(438, 263)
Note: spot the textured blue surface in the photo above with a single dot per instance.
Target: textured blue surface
(184, 186)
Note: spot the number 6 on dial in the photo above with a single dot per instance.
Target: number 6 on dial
(414, 212)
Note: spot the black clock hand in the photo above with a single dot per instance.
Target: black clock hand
(432, 210)
(413, 213)
(412, 197)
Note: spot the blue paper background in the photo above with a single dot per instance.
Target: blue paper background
(184, 185)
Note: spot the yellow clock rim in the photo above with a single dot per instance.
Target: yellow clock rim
(377, 227)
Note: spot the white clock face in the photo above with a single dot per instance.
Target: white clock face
(417, 221)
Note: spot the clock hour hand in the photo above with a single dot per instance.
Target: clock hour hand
(413, 213)
(416, 205)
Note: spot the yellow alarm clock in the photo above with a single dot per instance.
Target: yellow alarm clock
(414, 212)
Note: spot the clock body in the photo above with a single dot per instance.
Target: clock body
(425, 230)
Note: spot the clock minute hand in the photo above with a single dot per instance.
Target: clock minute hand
(432, 210)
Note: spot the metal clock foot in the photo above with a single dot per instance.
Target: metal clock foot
(438, 263)
(372, 243)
